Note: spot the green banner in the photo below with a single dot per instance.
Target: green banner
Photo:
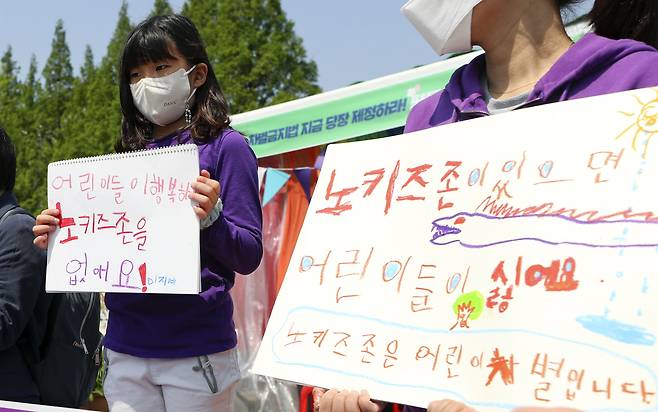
(368, 112)
(359, 114)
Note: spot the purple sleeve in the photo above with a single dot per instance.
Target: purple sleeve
(642, 68)
(236, 236)
(414, 409)
(421, 113)
(635, 71)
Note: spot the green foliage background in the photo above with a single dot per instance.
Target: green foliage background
(54, 113)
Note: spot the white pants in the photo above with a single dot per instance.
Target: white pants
(198, 384)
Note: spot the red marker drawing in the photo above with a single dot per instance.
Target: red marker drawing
(64, 221)
(142, 274)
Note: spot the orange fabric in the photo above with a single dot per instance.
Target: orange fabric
(296, 208)
(292, 160)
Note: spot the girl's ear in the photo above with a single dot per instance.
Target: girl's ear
(199, 75)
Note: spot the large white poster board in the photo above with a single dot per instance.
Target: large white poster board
(127, 223)
(505, 261)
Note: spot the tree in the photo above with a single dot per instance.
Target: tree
(258, 58)
(102, 120)
(110, 63)
(8, 84)
(23, 122)
(58, 72)
(42, 125)
(8, 66)
(161, 8)
(75, 128)
(32, 87)
(58, 84)
(204, 14)
(88, 69)
(8, 89)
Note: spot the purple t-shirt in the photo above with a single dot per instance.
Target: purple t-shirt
(178, 326)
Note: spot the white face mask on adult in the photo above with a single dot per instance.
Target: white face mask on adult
(445, 24)
(162, 99)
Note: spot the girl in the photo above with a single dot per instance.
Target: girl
(529, 60)
(177, 352)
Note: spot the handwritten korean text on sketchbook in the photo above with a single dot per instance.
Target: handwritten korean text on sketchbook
(127, 224)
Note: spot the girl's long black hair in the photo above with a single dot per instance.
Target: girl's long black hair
(152, 40)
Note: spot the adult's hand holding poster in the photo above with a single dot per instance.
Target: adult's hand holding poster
(126, 224)
(505, 261)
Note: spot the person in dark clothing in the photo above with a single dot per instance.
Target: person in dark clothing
(23, 301)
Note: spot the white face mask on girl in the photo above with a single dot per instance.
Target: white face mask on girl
(162, 99)
(444, 24)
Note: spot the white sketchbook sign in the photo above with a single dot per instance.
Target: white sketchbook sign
(127, 224)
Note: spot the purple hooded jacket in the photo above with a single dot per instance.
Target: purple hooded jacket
(593, 66)
(179, 326)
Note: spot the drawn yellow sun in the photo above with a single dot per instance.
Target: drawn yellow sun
(645, 123)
